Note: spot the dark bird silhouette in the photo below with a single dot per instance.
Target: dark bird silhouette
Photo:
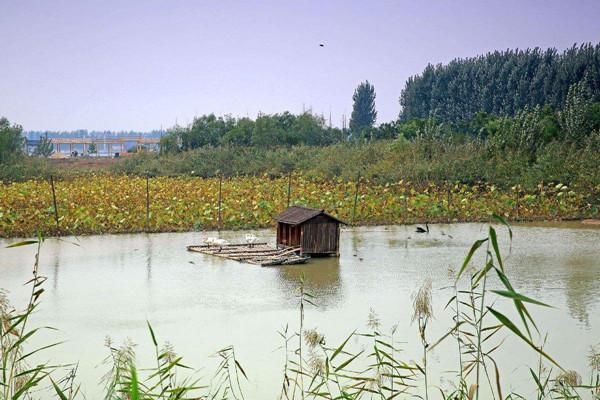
(321, 45)
(421, 230)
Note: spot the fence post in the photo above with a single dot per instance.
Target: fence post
(54, 202)
(289, 194)
(540, 198)
(355, 198)
(449, 194)
(220, 220)
(405, 212)
(147, 202)
(517, 201)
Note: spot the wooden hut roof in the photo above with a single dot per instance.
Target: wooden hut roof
(296, 215)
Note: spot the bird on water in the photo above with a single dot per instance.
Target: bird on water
(423, 230)
(251, 239)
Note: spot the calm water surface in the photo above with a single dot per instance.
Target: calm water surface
(110, 285)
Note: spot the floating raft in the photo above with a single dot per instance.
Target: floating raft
(258, 253)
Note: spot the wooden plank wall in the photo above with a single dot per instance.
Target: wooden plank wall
(288, 235)
(320, 236)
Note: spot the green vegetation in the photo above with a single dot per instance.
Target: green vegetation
(45, 148)
(366, 365)
(112, 204)
(11, 142)
(266, 131)
(501, 83)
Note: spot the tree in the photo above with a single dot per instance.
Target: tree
(206, 130)
(387, 130)
(11, 141)
(241, 134)
(593, 116)
(172, 141)
(92, 149)
(267, 131)
(363, 111)
(45, 148)
(573, 115)
(308, 129)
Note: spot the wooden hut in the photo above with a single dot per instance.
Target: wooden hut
(316, 232)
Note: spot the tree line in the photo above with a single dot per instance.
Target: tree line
(500, 83)
(282, 129)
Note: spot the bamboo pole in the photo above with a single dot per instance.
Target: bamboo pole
(289, 192)
(147, 201)
(405, 216)
(449, 207)
(355, 199)
(220, 219)
(54, 202)
(517, 202)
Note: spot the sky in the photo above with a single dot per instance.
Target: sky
(147, 64)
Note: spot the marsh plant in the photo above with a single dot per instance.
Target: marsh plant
(366, 365)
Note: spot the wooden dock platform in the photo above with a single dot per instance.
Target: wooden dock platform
(258, 253)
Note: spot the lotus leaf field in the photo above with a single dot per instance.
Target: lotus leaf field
(117, 203)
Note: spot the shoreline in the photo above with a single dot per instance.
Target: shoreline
(583, 222)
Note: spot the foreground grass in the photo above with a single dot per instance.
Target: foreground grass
(96, 204)
(367, 365)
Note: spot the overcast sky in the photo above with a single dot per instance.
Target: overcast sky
(140, 65)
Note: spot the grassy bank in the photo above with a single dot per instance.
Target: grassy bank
(93, 204)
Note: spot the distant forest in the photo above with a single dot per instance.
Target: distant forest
(500, 83)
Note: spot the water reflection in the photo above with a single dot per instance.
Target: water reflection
(355, 241)
(56, 266)
(581, 288)
(321, 279)
(148, 249)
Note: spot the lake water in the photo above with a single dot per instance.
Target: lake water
(112, 284)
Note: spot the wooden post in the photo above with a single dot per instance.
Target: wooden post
(540, 198)
(517, 202)
(405, 213)
(289, 188)
(54, 202)
(147, 202)
(220, 220)
(355, 198)
(449, 206)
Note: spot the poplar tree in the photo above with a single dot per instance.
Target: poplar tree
(364, 114)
